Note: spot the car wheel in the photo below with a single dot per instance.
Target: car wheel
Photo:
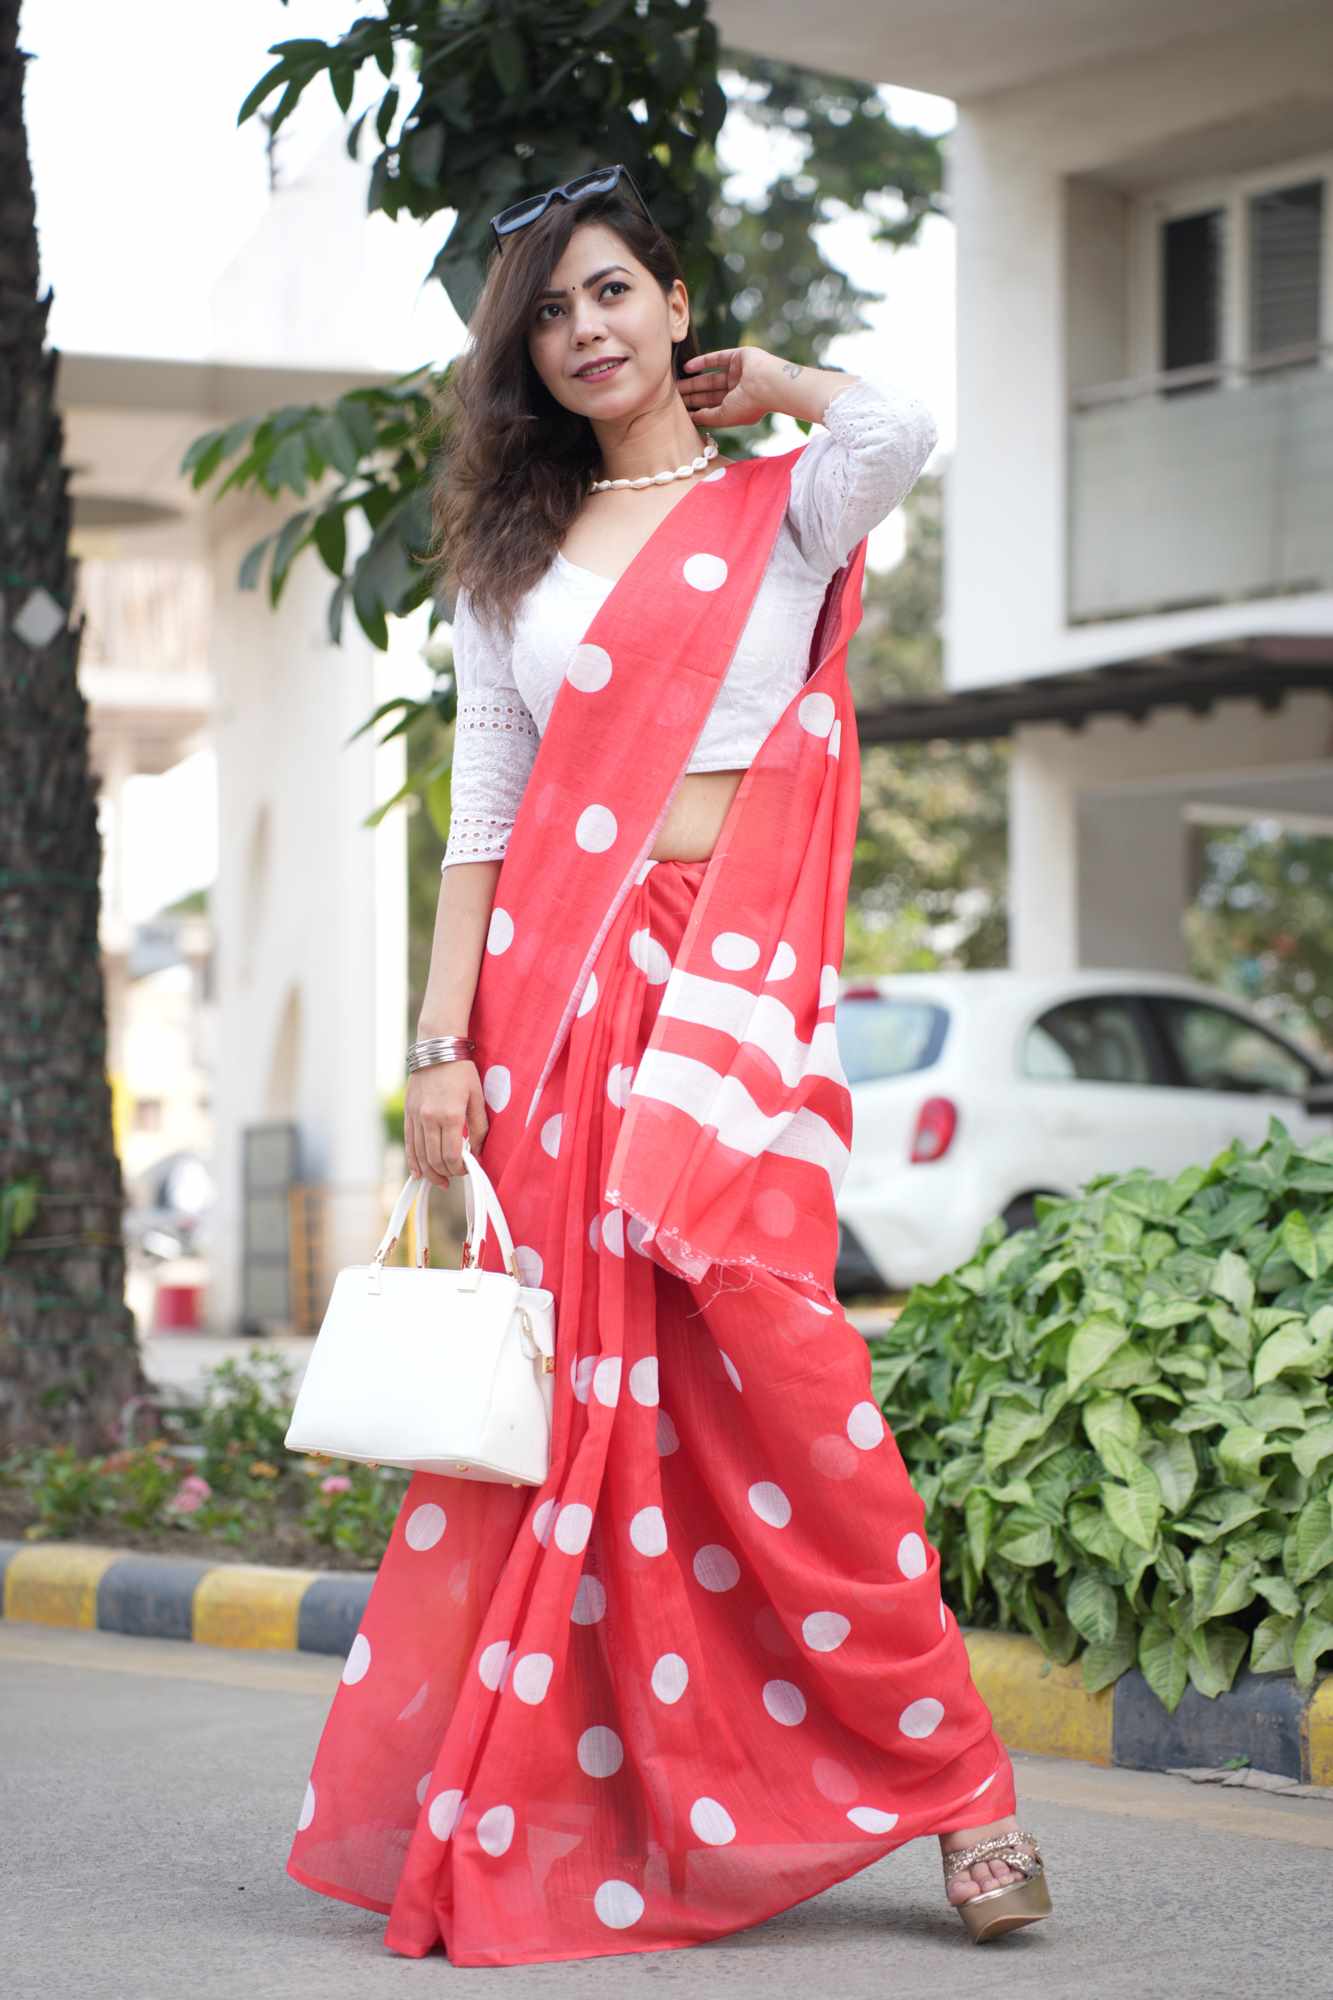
(1021, 1212)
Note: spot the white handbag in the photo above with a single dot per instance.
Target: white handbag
(434, 1370)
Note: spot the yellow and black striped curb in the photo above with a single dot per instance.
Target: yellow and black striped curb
(1266, 1719)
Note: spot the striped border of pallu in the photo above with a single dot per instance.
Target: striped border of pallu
(1266, 1719)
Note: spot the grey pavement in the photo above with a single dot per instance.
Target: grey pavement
(150, 1790)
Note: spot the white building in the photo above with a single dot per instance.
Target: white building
(1140, 529)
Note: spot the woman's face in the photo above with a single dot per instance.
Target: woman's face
(601, 305)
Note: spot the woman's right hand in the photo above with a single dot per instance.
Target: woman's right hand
(441, 1103)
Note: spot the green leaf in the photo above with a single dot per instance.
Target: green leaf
(1232, 1281)
(1297, 1239)
(1272, 1649)
(1314, 1540)
(1240, 1450)
(1278, 1594)
(1026, 1541)
(1312, 1449)
(1092, 1607)
(1235, 1585)
(1164, 1660)
(1012, 1426)
(1106, 1659)
(1093, 1531)
(1313, 1640)
(1155, 1314)
(508, 60)
(979, 1514)
(1093, 1344)
(1135, 1508)
(1214, 1657)
(1172, 1463)
(251, 564)
(1291, 1349)
(331, 539)
(1204, 1567)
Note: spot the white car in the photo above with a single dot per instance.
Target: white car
(973, 1092)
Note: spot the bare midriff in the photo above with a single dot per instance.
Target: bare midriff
(694, 818)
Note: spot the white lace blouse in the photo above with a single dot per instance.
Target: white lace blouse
(849, 477)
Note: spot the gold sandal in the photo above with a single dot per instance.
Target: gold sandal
(992, 1912)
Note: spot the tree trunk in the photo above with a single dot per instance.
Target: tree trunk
(69, 1356)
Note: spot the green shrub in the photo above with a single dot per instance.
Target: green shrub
(1120, 1421)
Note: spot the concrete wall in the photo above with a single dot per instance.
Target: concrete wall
(1042, 178)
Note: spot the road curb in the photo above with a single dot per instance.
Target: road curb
(1266, 1719)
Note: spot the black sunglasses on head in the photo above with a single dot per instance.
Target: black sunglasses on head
(600, 181)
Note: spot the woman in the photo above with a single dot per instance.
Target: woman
(705, 1671)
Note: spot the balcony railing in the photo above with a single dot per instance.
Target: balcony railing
(1203, 486)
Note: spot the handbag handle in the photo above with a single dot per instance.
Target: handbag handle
(487, 1211)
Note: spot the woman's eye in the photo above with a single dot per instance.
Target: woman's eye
(551, 305)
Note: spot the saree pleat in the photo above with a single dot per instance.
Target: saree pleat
(705, 1671)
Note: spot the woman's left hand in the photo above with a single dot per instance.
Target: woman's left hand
(732, 385)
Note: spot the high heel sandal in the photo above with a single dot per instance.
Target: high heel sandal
(992, 1912)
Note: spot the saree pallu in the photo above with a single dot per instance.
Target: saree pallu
(704, 1671)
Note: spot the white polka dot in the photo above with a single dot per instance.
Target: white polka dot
(600, 1752)
(816, 713)
(871, 1820)
(573, 1527)
(835, 740)
(734, 952)
(532, 1677)
(704, 572)
(643, 1381)
(618, 1080)
(816, 1307)
(495, 1829)
(648, 1532)
(588, 998)
(589, 668)
(595, 829)
(307, 1809)
(912, 1558)
(589, 1607)
(668, 1437)
(606, 1378)
(529, 1264)
(652, 957)
(732, 1371)
(828, 985)
(495, 1086)
(491, 1666)
(784, 963)
(500, 931)
(417, 1703)
(543, 1519)
(716, 1568)
(644, 873)
(636, 1235)
(712, 1822)
(984, 1786)
(770, 1503)
(595, 1232)
(551, 1131)
(865, 1426)
(425, 1525)
(922, 1717)
(618, 1904)
(670, 1679)
(423, 1786)
(784, 1702)
(775, 1212)
(357, 1663)
(613, 1231)
(580, 1375)
(833, 1456)
(824, 1631)
(442, 1813)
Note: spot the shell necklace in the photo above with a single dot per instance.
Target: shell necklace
(660, 478)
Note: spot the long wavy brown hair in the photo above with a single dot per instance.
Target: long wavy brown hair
(513, 467)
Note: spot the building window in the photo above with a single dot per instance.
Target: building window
(1192, 274)
(1286, 270)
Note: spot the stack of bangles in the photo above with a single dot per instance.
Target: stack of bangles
(438, 1049)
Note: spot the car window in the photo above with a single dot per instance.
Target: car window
(884, 1037)
(1221, 1051)
(1088, 1041)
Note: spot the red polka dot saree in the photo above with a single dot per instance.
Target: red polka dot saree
(705, 1670)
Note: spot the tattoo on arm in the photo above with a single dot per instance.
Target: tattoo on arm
(792, 368)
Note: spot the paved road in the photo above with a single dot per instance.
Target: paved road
(149, 1790)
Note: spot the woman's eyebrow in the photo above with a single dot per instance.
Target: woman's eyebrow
(557, 294)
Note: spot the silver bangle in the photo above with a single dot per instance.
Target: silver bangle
(439, 1048)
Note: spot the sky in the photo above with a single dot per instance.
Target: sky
(147, 192)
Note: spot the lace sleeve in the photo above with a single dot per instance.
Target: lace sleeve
(857, 470)
(495, 744)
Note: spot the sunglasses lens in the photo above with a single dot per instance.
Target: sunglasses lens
(601, 178)
(521, 212)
